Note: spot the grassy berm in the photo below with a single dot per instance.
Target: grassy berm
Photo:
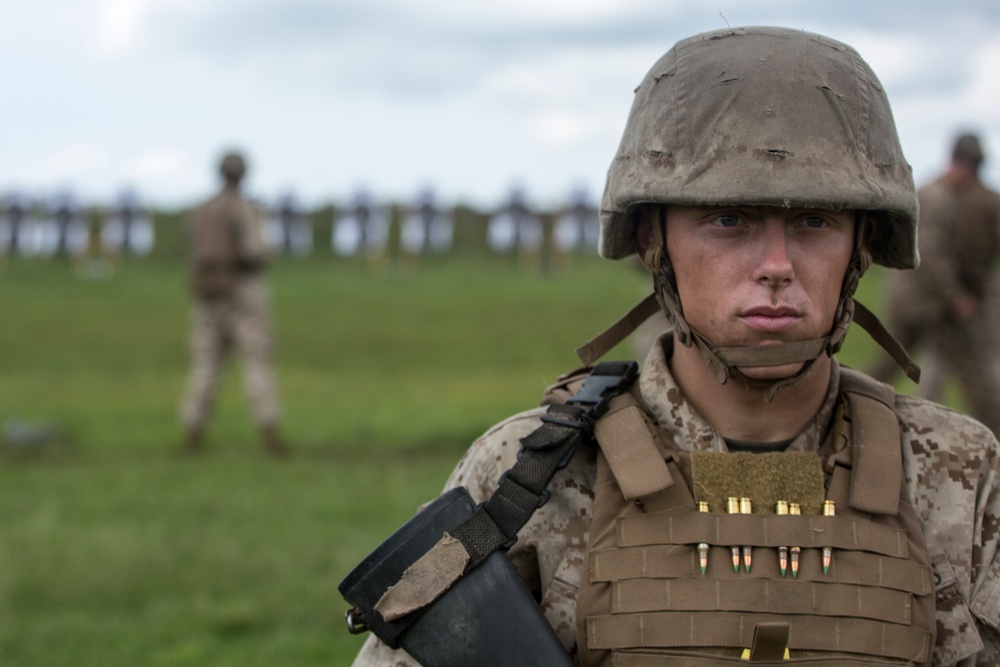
(116, 549)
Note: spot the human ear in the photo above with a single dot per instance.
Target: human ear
(650, 222)
(643, 230)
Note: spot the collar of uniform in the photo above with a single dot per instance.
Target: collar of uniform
(689, 429)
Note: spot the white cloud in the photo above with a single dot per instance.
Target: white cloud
(159, 164)
(561, 128)
(119, 27)
(75, 160)
(524, 13)
(584, 77)
(984, 94)
(891, 56)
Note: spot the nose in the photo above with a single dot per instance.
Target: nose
(775, 264)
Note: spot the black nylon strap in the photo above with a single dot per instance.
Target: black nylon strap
(523, 489)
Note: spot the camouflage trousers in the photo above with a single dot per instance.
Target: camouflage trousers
(242, 322)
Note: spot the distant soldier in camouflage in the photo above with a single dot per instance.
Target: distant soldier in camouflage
(948, 305)
(231, 308)
(759, 175)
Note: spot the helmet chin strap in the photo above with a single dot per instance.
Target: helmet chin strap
(726, 362)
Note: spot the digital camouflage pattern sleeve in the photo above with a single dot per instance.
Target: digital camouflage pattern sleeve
(953, 474)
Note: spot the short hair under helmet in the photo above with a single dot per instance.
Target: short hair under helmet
(768, 116)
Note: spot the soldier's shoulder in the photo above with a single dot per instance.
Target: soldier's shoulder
(211, 204)
(492, 453)
(522, 423)
(232, 200)
(565, 386)
(927, 425)
(934, 195)
(516, 425)
(936, 186)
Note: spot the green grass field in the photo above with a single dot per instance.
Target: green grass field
(117, 550)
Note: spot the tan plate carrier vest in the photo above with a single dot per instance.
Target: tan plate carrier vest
(643, 599)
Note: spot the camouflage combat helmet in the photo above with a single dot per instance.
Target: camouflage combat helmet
(232, 167)
(765, 116)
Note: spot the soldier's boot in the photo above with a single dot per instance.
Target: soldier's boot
(194, 439)
(273, 442)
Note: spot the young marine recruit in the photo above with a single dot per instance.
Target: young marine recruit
(744, 497)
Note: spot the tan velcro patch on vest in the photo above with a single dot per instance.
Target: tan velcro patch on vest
(795, 477)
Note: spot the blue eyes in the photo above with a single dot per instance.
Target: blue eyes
(813, 222)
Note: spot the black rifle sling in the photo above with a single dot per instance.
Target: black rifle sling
(523, 489)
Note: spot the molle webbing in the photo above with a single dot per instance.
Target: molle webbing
(649, 660)
(649, 600)
(762, 530)
(781, 596)
(661, 561)
(708, 630)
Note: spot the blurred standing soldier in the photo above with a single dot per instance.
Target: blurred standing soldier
(744, 498)
(949, 305)
(231, 308)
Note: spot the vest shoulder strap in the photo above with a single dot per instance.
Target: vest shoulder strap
(877, 470)
(628, 444)
(523, 488)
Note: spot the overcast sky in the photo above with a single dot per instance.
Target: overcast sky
(473, 98)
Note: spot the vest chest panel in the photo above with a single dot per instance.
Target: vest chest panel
(645, 600)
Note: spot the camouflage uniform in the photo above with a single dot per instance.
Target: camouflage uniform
(231, 307)
(734, 127)
(244, 320)
(952, 467)
(959, 247)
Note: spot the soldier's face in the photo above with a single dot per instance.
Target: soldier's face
(759, 275)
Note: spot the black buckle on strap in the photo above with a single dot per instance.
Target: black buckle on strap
(608, 379)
